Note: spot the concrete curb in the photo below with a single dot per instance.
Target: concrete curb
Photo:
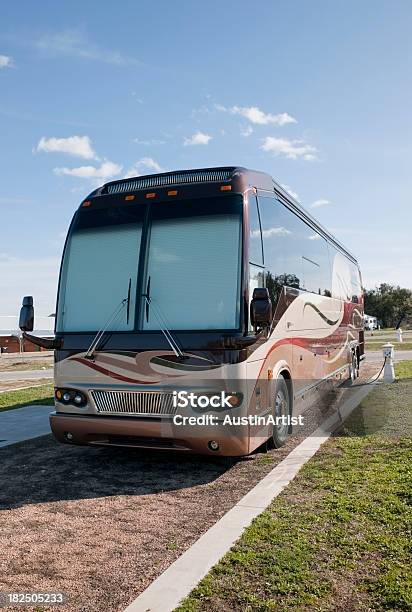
(166, 592)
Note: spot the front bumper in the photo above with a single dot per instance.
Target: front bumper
(149, 433)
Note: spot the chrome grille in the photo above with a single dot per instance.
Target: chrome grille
(134, 402)
(174, 178)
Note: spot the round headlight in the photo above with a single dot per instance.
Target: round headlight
(66, 397)
(78, 399)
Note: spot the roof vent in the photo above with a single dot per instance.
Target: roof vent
(165, 180)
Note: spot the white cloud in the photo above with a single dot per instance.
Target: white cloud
(105, 171)
(292, 149)
(79, 146)
(291, 192)
(275, 231)
(246, 130)
(257, 116)
(314, 237)
(145, 165)
(75, 43)
(5, 61)
(319, 203)
(138, 100)
(199, 138)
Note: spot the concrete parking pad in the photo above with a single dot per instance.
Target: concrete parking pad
(23, 424)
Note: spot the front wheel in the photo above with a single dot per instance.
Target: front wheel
(282, 409)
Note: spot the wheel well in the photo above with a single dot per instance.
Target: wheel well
(286, 375)
(288, 379)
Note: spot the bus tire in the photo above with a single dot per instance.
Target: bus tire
(282, 406)
(353, 367)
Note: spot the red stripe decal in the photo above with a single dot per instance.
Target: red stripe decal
(111, 374)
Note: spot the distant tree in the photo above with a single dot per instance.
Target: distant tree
(275, 285)
(390, 304)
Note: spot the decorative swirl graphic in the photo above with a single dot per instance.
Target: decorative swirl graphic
(322, 316)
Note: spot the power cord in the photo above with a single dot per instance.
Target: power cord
(370, 382)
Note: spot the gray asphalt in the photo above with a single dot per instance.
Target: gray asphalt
(26, 374)
(376, 356)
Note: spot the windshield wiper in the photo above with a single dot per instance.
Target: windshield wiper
(128, 301)
(112, 318)
(161, 320)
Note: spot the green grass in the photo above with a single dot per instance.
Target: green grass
(339, 536)
(35, 396)
(403, 369)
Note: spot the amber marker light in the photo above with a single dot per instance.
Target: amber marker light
(87, 203)
(129, 198)
(173, 192)
(58, 394)
(150, 195)
(226, 188)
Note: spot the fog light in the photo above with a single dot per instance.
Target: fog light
(69, 436)
(235, 400)
(66, 397)
(78, 399)
(213, 445)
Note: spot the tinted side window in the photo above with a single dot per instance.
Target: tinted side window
(355, 283)
(280, 241)
(255, 234)
(295, 254)
(346, 283)
(316, 275)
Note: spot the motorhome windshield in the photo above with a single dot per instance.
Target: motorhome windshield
(186, 254)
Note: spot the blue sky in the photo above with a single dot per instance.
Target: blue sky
(316, 93)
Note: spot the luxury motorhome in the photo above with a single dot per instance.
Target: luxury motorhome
(214, 282)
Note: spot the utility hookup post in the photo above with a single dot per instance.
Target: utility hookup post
(399, 334)
(388, 371)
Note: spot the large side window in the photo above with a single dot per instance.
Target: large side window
(282, 263)
(356, 286)
(346, 284)
(295, 254)
(316, 276)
